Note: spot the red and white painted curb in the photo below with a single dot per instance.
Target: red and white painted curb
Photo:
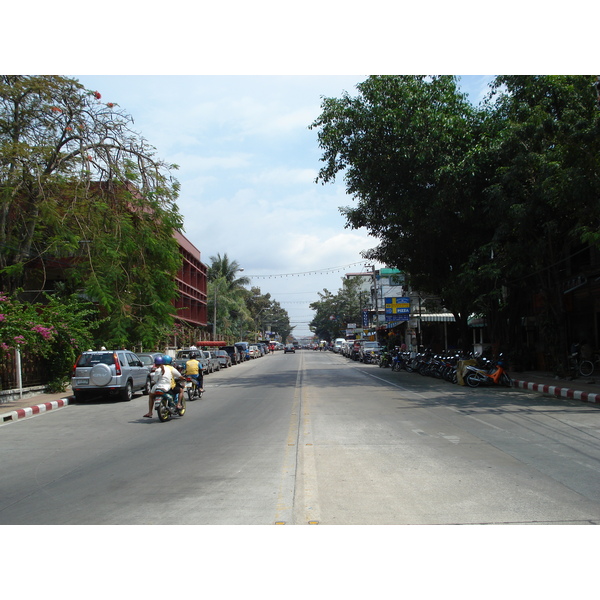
(559, 392)
(30, 411)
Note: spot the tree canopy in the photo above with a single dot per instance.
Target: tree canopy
(82, 193)
(469, 201)
(335, 311)
(238, 309)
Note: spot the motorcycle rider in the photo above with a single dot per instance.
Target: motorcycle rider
(177, 389)
(164, 375)
(193, 368)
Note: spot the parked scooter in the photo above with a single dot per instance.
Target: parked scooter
(166, 405)
(398, 361)
(495, 375)
(384, 359)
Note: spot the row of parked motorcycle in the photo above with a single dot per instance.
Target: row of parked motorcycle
(474, 370)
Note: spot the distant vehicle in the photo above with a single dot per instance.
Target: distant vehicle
(244, 348)
(337, 345)
(355, 349)
(113, 373)
(254, 351)
(289, 348)
(182, 356)
(147, 358)
(369, 352)
(223, 358)
(210, 363)
(234, 353)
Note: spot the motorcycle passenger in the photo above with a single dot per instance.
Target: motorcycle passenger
(194, 370)
(163, 377)
(177, 389)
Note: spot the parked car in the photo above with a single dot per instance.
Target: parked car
(337, 345)
(289, 348)
(147, 358)
(254, 351)
(110, 373)
(223, 358)
(369, 352)
(244, 348)
(210, 363)
(355, 349)
(182, 356)
(262, 348)
(234, 353)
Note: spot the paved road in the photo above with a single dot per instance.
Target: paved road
(309, 438)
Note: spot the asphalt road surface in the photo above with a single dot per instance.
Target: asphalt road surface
(309, 438)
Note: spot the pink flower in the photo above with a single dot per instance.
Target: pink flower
(2, 317)
(45, 332)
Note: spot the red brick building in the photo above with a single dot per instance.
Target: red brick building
(191, 284)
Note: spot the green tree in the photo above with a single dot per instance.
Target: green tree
(227, 297)
(335, 311)
(267, 312)
(407, 148)
(83, 195)
(545, 190)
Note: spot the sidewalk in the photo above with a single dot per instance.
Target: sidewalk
(583, 389)
(34, 405)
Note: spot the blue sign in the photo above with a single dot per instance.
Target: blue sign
(396, 318)
(397, 306)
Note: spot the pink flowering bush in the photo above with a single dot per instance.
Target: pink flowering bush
(56, 330)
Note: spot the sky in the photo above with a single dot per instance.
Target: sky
(228, 92)
(247, 168)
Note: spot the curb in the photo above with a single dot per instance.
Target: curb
(30, 411)
(558, 392)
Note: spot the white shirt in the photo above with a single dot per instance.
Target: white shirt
(163, 375)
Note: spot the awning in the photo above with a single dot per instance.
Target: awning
(474, 321)
(447, 317)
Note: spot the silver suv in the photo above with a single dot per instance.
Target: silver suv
(111, 372)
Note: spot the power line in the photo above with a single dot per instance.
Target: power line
(305, 273)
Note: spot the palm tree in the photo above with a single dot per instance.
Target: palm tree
(226, 294)
(221, 266)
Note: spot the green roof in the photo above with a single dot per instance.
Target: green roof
(390, 271)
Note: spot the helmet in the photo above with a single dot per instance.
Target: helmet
(167, 359)
(158, 360)
(193, 355)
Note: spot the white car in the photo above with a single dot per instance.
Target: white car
(254, 352)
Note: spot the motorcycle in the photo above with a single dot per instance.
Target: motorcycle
(384, 360)
(166, 406)
(495, 375)
(398, 362)
(192, 389)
